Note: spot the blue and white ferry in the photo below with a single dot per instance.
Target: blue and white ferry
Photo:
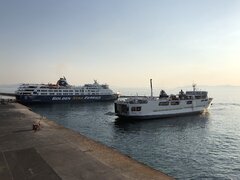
(62, 92)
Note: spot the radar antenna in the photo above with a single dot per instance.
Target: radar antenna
(194, 86)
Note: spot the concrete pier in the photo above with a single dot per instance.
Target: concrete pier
(55, 152)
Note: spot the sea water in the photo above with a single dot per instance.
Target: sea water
(203, 146)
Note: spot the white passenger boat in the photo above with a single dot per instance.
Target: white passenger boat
(191, 102)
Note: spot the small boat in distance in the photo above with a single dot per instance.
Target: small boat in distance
(191, 102)
(62, 92)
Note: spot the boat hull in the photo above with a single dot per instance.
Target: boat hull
(159, 116)
(36, 99)
(152, 110)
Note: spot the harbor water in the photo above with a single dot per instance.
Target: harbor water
(203, 146)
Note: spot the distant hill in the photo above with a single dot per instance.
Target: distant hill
(8, 88)
(8, 85)
(146, 90)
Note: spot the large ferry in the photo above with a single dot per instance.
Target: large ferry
(63, 92)
(191, 102)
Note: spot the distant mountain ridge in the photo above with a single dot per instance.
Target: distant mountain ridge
(8, 88)
(8, 85)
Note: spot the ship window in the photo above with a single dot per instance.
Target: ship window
(70, 90)
(175, 103)
(55, 90)
(189, 102)
(51, 93)
(59, 93)
(166, 103)
(76, 90)
(43, 93)
(65, 93)
(38, 90)
(50, 90)
(189, 97)
(60, 90)
(65, 90)
(76, 93)
(43, 90)
(138, 108)
(70, 94)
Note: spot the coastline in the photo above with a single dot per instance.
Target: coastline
(69, 154)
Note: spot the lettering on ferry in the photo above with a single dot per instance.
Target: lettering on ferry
(92, 97)
(77, 98)
(61, 98)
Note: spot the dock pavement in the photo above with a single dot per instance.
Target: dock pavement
(55, 152)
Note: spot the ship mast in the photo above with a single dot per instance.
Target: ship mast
(194, 86)
(151, 88)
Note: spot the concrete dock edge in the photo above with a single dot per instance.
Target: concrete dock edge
(55, 152)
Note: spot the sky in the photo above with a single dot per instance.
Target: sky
(121, 43)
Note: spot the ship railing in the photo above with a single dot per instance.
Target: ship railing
(137, 102)
(132, 100)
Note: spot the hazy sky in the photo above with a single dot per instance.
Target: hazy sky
(120, 42)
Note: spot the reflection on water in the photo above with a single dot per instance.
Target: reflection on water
(188, 147)
(177, 123)
(164, 143)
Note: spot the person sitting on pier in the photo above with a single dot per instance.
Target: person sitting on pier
(36, 126)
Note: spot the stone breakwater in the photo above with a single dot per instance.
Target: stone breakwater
(55, 152)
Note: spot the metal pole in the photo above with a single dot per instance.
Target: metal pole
(151, 87)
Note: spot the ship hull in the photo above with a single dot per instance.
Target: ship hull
(36, 99)
(159, 116)
(152, 110)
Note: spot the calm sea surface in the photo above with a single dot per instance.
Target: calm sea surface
(193, 147)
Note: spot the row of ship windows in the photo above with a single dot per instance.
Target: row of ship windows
(172, 103)
(43, 87)
(67, 94)
(65, 91)
(138, 108)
